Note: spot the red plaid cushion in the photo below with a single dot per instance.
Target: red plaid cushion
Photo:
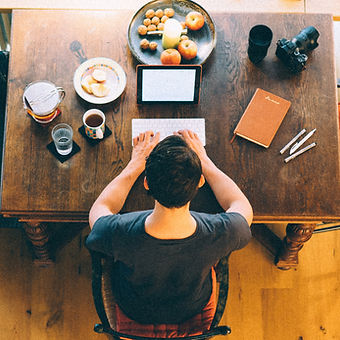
(196, 325)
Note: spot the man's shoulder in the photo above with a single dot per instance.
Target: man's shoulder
(116, 220)
(115, 229)
(232, 218)
(129, 216)
(228, 225)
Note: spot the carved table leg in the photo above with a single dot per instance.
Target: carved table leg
(297, 235)
(37, 234)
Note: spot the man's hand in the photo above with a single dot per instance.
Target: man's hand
(112, 198)
(194, 142)
(142, 147)
(196, 145)
(227, 193)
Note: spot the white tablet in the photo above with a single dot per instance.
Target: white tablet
(168, 83)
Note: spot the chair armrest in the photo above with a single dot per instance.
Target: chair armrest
(96, 259)
(222, 277)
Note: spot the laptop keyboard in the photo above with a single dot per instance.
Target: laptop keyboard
(166, 126)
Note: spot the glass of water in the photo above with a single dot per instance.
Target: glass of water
(62, 136)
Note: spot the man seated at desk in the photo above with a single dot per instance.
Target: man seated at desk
(165, 255)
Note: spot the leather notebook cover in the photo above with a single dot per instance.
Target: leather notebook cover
(262, 117)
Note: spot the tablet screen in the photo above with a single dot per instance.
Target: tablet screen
(165, 83)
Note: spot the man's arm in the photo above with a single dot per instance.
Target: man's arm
(112, 198)
(227, 193)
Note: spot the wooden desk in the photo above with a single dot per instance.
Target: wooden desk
(38, 188)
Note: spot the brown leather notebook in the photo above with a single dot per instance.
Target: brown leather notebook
(262, 118)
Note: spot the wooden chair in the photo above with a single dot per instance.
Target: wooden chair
(105, 305)
(4, 55)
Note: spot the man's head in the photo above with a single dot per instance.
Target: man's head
(173, 172)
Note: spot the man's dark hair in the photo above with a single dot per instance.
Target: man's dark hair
(173, 171)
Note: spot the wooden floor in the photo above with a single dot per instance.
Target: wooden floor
(264, 303)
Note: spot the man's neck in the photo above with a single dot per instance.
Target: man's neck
(173, 223)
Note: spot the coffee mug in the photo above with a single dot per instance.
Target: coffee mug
(41, 100)
(94, 123)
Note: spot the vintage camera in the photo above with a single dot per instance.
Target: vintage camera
(289, 51)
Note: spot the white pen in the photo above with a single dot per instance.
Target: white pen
(300, 152)
(292, 141)
(298, 144)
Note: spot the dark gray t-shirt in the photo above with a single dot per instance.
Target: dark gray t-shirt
(165, 281)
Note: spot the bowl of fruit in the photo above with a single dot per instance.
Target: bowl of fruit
(150, 42)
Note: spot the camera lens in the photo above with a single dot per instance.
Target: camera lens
(306, 39)
(260, 37)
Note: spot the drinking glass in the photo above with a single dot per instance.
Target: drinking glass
(62, 136)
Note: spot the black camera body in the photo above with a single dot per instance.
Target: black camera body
(292, 52)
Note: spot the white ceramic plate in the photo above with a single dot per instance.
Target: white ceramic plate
(115, 79)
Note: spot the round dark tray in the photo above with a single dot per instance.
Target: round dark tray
(205, 38)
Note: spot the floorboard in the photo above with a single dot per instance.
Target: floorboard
(264, 303)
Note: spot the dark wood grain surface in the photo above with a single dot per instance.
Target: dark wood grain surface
(35, 185)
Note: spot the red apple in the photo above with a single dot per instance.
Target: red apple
(170, 56)
(194, 20)
(188, 49)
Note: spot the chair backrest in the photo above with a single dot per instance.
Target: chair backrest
(3, 93)
(3, 77)
(4, 55)
(104, 302)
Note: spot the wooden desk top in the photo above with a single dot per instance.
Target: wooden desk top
(37, 186)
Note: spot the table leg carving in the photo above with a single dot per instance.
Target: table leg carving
(37, 234)
(297, 235)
